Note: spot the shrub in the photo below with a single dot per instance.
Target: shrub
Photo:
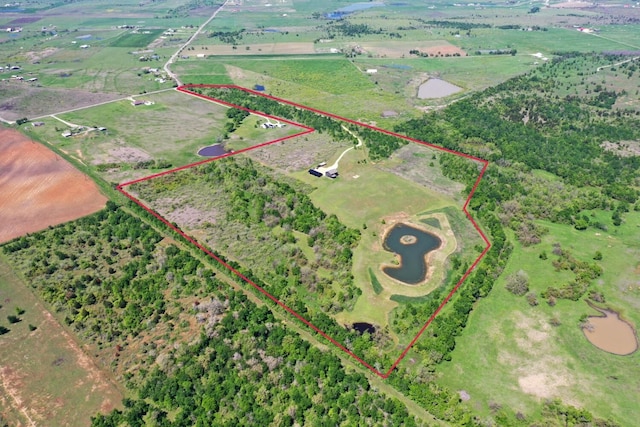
(518, 283)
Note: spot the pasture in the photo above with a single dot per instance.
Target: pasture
(553, 40)
(171, 130)
(518, 355)
(334, 76)
(362, 100)
(293, 48)
(354, 93)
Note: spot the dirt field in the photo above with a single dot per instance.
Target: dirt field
(400, 49)
(38, 188)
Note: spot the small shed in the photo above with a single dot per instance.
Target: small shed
(389, 113)
(259, 88)
(332, 173)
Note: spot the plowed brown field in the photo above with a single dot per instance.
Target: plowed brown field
(38, 188)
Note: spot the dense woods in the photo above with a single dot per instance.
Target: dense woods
(248, 369)
(244, 367)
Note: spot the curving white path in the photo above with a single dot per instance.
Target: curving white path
(324, 169)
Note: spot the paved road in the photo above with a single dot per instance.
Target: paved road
(171, 60)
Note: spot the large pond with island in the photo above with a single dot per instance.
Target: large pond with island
(412, 245)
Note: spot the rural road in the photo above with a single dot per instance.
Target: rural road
(173, 57)
(617, 63)
(98, 103)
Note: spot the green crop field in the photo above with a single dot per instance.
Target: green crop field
(138, 39)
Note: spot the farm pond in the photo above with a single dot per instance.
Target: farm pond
(354, 7)
(610, 333)
(362, 327)
(214, 150)
(412, 246)
(437, 88)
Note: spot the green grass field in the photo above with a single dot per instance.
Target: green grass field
(528, 42)
(128, 138)
(336, 77)
(138, 39)
(510, 353)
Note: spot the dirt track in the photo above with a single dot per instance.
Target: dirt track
(38, 188)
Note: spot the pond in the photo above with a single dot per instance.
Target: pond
(355, 7)
(436, 88)
(412, 246)
(610, 333)
(214, 150)
(362, 327)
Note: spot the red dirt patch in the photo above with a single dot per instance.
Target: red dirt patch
(38, 188)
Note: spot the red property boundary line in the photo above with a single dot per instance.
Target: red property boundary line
(306, 130)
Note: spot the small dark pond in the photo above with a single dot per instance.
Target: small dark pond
(412, 245)
(362, 327)
(214, 150)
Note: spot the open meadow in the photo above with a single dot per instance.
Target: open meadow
(518, 355)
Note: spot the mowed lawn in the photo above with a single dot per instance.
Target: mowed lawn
(45, 377)
(361, 197)
(510, 353)
(364, 194)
